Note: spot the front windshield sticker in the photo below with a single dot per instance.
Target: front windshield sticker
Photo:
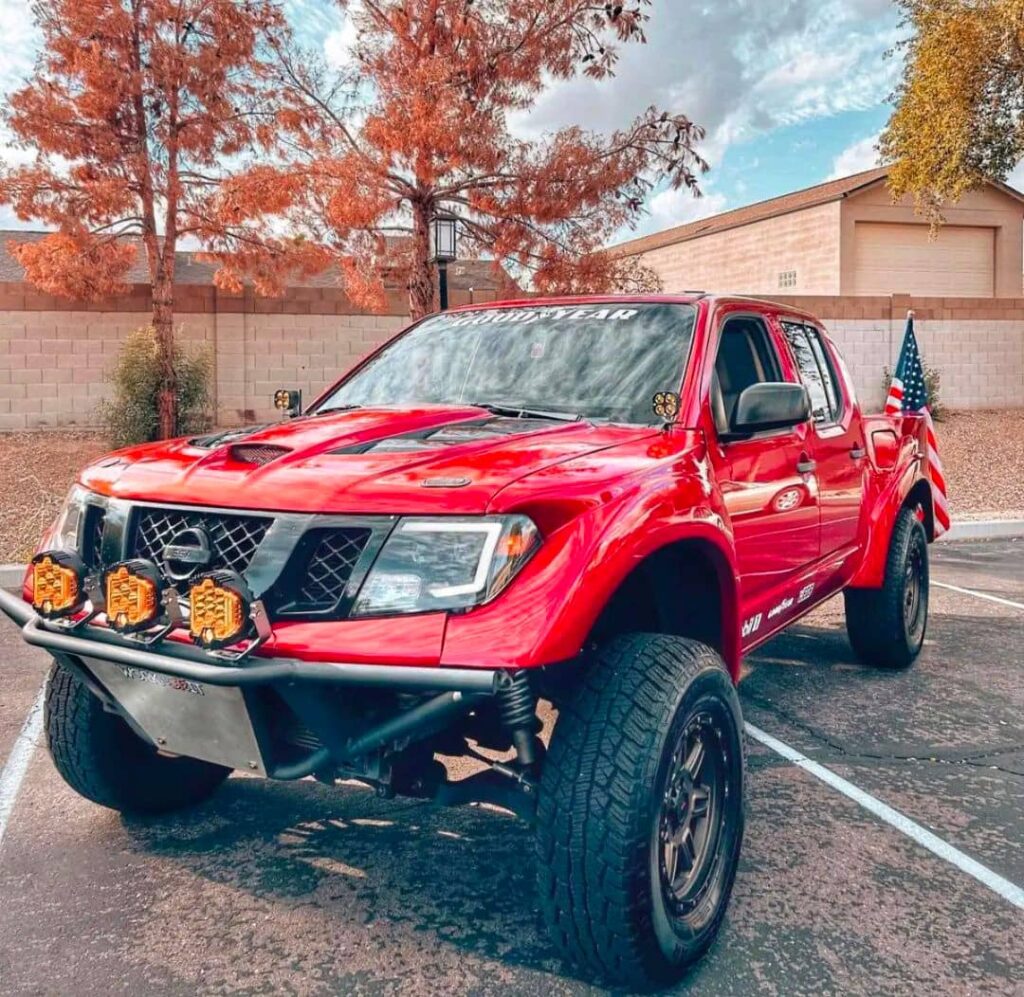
(527, 316)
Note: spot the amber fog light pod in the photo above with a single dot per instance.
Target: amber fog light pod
(58, 583)
(219, 609)
(132, 590)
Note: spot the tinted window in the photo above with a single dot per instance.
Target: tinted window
(815, 371)
(745, 357)
(828, 373)
(600, 361)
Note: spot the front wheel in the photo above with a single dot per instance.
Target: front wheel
(640, 817)
(887, 625)
(101, 758)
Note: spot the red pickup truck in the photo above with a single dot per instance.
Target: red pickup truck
(599, 504)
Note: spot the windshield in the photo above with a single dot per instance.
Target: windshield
(597, 361)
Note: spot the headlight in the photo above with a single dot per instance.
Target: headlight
(446, 564)
(68, 532)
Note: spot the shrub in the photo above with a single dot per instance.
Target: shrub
(932, 381)
(130, 416)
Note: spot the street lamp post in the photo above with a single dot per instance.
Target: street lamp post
(445, 234)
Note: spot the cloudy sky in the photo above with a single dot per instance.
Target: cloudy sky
(791, 92)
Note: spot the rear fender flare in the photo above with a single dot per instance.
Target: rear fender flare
(881, 520)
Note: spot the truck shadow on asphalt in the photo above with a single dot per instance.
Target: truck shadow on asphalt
(384, 874)
(375, 871)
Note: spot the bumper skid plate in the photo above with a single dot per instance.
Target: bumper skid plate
(184, 717)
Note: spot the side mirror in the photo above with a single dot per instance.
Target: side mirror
(772, 405)
(288, 401)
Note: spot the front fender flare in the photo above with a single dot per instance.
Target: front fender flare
(548, 613)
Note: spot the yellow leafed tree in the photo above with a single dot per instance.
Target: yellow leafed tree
(959, 117)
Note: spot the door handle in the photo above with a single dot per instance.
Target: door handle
(858, 453)
(805, 465)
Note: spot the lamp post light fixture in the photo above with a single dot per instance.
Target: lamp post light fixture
(445, 232)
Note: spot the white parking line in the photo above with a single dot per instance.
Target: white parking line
(903, 824)
(979, 595)
(17, 761)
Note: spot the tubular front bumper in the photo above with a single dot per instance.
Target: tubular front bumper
(194, 665)
(223, 716)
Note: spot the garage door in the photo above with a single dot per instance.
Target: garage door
(901, 259)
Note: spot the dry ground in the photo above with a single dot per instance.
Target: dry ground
(983, 454)
(36, 471)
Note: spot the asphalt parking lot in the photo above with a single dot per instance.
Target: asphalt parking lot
(295, 888)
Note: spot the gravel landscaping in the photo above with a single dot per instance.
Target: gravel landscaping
(983, 453)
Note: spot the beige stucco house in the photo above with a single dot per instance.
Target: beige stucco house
(846, 237)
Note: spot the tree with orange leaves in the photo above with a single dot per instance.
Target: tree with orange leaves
(136, 111)
(418, 126)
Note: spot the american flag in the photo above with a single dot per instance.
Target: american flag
(908, 393)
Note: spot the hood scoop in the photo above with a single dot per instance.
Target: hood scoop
(454, 434)
(257, 454)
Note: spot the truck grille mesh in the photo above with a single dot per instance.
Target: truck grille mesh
(233, 539)
(93, 536)
(329, 568)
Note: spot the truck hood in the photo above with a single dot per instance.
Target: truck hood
(439, 459)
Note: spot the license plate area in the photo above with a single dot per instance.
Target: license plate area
(183, 717)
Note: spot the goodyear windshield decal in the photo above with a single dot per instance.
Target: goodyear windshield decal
(528, 316)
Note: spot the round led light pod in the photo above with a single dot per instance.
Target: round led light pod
(58, 584)
(132, 590)
(219, 609)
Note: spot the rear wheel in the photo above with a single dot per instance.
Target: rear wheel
(887, 625)
(640, 818)
(101, 758)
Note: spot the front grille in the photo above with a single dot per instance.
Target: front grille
(233, 539)
(325, 574)
(95, 518)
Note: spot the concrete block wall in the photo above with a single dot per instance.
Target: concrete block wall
(976, 345)
(981, 363)
(54, 364)
(257, 354)
(54, 356)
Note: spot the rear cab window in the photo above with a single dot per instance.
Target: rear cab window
(816, 371)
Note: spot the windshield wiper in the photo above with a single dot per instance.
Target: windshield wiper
(518, 412)
(334, 409)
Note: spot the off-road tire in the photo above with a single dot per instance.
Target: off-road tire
(603, 790)
(101, 758)
(882, 631)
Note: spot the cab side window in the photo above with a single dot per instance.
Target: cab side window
(745, 357)
(815, 371)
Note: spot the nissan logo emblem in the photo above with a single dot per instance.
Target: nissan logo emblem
(187, 552)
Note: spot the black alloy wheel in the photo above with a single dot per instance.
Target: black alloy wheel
(690, 819)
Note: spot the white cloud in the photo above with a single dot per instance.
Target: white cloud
(861, 155)
(341, 40)
(677, 207)
(21, 41)
(1016, 178)
(740, 68)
